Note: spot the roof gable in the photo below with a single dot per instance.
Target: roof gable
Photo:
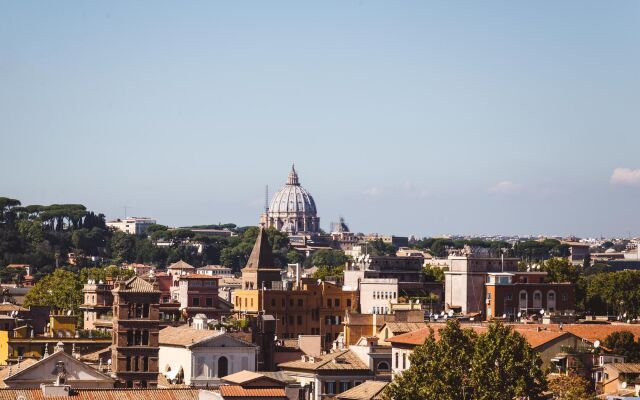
(44, 371)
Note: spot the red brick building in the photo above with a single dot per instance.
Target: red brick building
(526, 293)
(135, 333)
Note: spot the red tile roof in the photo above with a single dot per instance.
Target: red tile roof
(531, 334)
(230, 391)
(104, 394)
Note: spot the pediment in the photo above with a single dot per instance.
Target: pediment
(45, 371)
(224, 340)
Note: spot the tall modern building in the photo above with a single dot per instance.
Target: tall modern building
(292, 209)
(135, 333)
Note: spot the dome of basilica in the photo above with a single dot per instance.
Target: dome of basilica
(292, 209)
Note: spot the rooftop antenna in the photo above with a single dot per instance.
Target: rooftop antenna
(266, 199)
(125, 211)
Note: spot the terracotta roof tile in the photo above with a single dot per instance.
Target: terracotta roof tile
(185, 335)
(534, 337)
(136, 285)
(104, 394)
(6, 307)
(181, 265)
(367, 390)
(340, 360)
(230, 391)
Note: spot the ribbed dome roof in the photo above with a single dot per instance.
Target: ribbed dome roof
(293, 198)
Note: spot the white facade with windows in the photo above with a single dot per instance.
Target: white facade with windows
(132, 225)
(211, 356)
(377, 295)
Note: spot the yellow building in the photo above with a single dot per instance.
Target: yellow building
(313, 309)
(22, 342)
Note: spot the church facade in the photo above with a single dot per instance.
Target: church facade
(292, 209)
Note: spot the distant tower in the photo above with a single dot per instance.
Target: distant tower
(135, 333)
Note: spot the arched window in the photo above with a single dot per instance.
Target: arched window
(383, 366)
(523, 300)
(551, 300)
(223, 367)
(537, 299)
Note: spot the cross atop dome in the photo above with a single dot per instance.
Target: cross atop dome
(293, 176)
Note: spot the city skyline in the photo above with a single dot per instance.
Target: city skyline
(422, 119)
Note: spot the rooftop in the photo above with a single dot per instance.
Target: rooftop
(367, 390)
(104, 394)
(231, 391)
(340, 360)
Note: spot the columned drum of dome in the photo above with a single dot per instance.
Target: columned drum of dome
(292, 209)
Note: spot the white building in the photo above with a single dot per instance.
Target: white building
(132, 225)
(377, 295)
(216, 270)
(199, 356)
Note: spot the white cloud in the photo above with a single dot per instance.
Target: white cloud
(373, 191)
(625, 176)
(505, 187)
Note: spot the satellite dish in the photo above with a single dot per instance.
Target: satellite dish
(519, 314)
(472, 319)
(445, 317)
(504, 315)
(109, 361)
(435, 317)
(69, 313)
(624, 315)
(450, 313)
(542, 312)
(623, 385)
(442, 314)
(596, 344)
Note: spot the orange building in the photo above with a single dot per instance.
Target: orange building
(311, 308)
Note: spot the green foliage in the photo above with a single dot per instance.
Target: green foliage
(326, 272)
(326, 258)
(561, 270)
(570, 387)
(613, 293)
(101, 274)
(535, 251)
(505, 367)
(623, 343)
(379, 248)
(439, 370)
(497, 365)
(434, 274)
(61, 290)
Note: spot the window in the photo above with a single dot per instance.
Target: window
(299, 319)
(344, 386)
(223, 367)
(397, 360)
(348, 302)
(291, 302)
(195, 301)
(383, 366)
(273, 302)
(252, 302)
(337, 302)
(290, 319)
(329, 303)
(300, 303)
(330, 388)
(209, 301)
(404, 360)
(489, 296)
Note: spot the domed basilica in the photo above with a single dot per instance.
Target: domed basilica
(292, 209)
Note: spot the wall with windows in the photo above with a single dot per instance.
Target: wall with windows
(377, 295)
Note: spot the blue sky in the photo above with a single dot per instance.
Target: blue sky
(404, 117)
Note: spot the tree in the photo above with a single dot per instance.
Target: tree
(561, 270)
(623, 343)
(570, 387)
(61, 290)
(504, 366)
(439, 370)
(434, 274)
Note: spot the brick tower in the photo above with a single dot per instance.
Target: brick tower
(135, 333)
